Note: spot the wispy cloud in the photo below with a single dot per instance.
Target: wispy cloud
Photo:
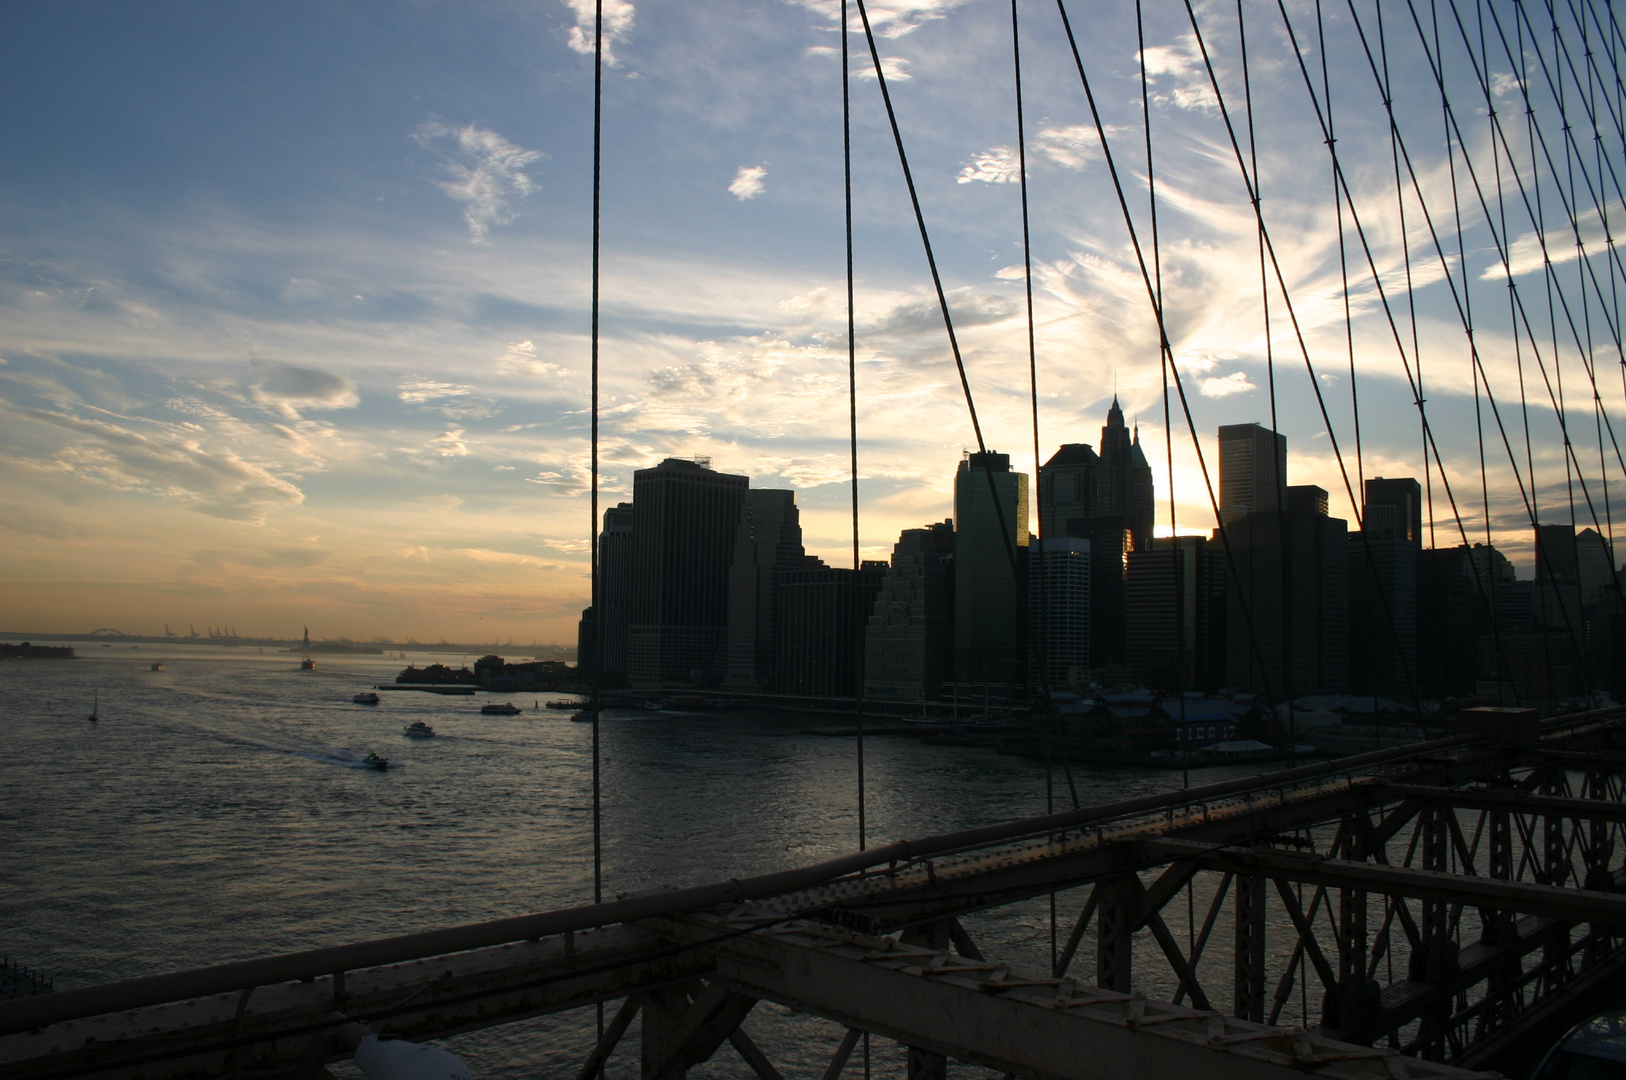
(618, 16)
(888, 18)
(997, 165)
(747, 183)
(487, 173)
(1237, 382)
(1178, 76)
(284, 387)
(895, 68)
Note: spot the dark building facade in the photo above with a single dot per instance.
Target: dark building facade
(819, 628)
(909, 642)
(1405, 496)
(1253, 471)
(1287, 604)
(1175, 607)
(615, 588)
(767, 542)
(1382, 610)
(990, 542)
(1058, 609)
(685, 517)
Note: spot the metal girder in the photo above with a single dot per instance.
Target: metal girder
(1040, 1028)
(1515, 802)
(270, 1029)
(1434, 886)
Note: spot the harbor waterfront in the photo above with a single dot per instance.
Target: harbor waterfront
(222, 809)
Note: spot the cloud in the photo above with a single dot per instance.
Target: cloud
(170, 463)
(486, 173)
(1236, 382)
(895, 68)
(888, 18)
(1072, 146)
(520, 359)
(996, 165)
(747, 183)
(564, 481)
(417, 391)
(618, 16)
(447, 444)
(1180, 78)
(283, 386)
(924, 315)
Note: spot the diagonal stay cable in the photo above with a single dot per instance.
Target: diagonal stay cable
(1154, 297)
(1281, 280)
(942, 297)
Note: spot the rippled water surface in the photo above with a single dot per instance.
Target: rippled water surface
(219, 811)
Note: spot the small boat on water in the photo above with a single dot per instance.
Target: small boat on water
(507, 708)
(366, 697)
(157, 665)
(307, 664)
(563, 705)
(419, 730)
(373, 761)
(586, 716)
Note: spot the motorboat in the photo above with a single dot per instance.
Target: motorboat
(586, 716)
(419, 730)
(507, 708)
(563, 704)
(366, 697)
(373, 761)
(157, 665)
(307, 664)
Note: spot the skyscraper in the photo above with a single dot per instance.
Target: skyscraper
(1175, 606)
(1124, 484)
(1058, 608)
(615, 589)
(685, 517)
(1253, 471)
(1287, 607)
(767, 542)
(909, 643)
(819, 627)
(1405, 495)
(1383, 606)
(990, 540)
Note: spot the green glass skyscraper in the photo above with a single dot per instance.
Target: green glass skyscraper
(990, 545)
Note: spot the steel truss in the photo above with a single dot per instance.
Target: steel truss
(1417, 912)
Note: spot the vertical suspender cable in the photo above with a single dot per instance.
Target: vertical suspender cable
(852, 411)
(598, 611)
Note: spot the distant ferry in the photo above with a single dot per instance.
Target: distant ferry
(419, 730)
(507, 708)
(366, 697)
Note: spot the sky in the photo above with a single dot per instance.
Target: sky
(294, 296)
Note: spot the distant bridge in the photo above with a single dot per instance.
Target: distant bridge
(1450, 903)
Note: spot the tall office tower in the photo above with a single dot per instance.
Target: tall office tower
(990, 540)
(1558, 580)
(1403, 494)
(1452, 615)
(684, 519)
(909, 642)
(767, 542)
(1307, 499)
(1253, 471)
(615, 590)
(1058, 609)
(1067, 484)
(1124, 479)
(587, 644)
(1175, 608)
(1383, 607)
(819, 628)
(1594, 566)
(1293, 599)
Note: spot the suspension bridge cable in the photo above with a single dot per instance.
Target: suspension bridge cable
(1284, 563)
(1405, 252)
(1163, 335)
(1450, 282)
(852, 409)
(1044, 560)
(1343, 257)
(598, 611)
(1372, 265)
(942, 297)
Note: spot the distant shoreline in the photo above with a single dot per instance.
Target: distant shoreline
(560, 652)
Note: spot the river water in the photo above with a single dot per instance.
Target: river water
(219, 811)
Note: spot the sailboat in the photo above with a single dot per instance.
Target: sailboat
(95, 706)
